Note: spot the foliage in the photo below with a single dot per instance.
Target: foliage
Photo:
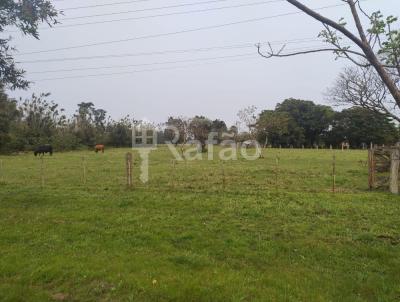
(199, 129)
(362, 87)
(220, 128)
(374, 51)
(313, 119)
(8, 116)
(272, 126)
(26, 16)
(119, 133)
(176, 130)
(360, 127)
(90, 124)
(294, 123)
(36, 121)
(40, 120)
(247, 117)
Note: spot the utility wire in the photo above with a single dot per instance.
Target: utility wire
(175, 32)
(174, 51)
(162, 15)
(139, 71)
(143, 64)
(102, 5)
(125, 12)
(157, 63)
(145, 9)
(222, 60)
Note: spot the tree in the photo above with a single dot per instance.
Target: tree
(8, 116)
(26, 15)
(199, 128)
(233, 133)
(119, 133)
(247, 116)
(378, 47)
(99, 119)
(362, 87)
(90, 124)
(272, 126)
(360, 126)
(83, 123)
(313, 119)
(40, 120)
(220, 128)
(176, 131)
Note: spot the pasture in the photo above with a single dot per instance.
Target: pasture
(263, 230)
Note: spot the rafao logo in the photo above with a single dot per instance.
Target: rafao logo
(144, 140)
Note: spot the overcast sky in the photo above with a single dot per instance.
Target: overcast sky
(214, 82)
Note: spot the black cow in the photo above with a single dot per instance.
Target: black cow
(41, 150)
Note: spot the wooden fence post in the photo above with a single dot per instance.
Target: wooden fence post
(173, 173)
(276, 171)
(223, 175)
(128, 159)
(394, 171)
(334, 173)
(1, 171)
(371, 168)
(84, 169)
(41, 172)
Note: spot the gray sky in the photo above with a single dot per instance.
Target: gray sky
(216, 83)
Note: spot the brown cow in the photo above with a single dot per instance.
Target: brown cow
(98, 148)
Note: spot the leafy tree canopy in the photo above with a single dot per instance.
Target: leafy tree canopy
(360, 126)
(26, 15)
(313, 119)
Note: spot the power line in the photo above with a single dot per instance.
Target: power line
(130, 11)
(156, 63)
(142, 64)
(162, 15)
(144, 9)
(176, 32)
(223, 59)
(174, 51)
(138, 71)
(102, 5)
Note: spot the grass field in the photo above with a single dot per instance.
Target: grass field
(261, 232)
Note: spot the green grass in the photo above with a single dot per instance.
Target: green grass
(265, 233)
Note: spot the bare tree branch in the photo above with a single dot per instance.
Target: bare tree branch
(365, 40)
(364, 88)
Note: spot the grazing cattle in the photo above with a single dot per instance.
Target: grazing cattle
(41, 150)
(98, 148)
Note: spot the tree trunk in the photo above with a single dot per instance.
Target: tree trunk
(394, 171)
(361, 42)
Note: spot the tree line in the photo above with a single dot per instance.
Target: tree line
(298, 123)
(25, 124)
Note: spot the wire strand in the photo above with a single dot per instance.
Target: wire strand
(224, 59)
(175, 32)
(174, 51)
(138, 71)
(161, 15)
